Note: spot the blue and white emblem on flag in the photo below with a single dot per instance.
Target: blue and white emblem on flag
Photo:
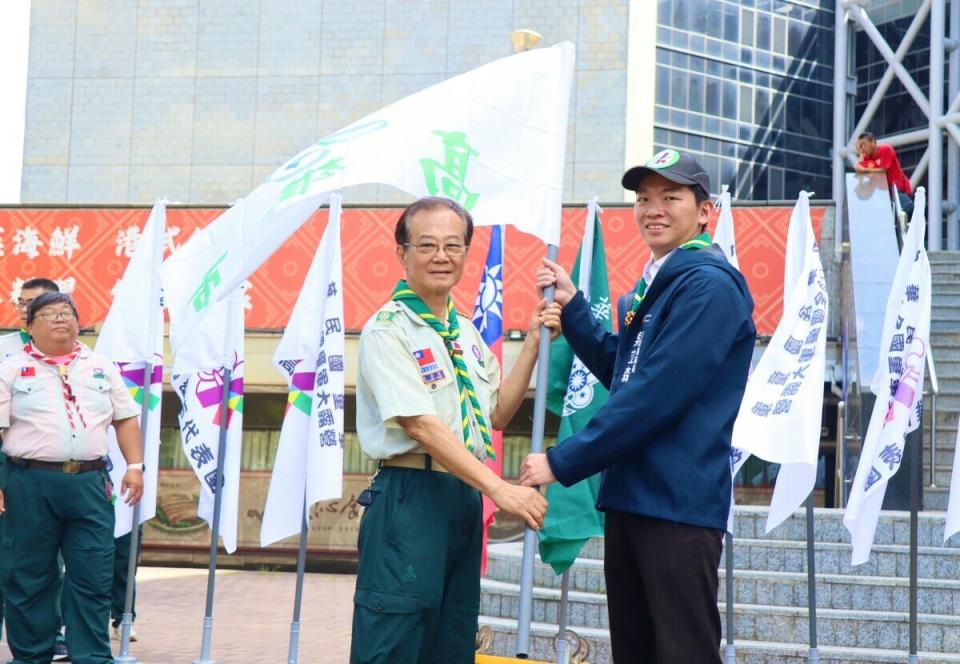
(488, 313)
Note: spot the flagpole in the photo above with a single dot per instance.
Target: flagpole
(525, 610)
(124, 656)
(563, 646)
(294, 650)
(814, 655)
(731, 650)
(916, 472)
(215, 527)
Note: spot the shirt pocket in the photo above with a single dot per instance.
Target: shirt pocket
(29, 397)
(96, 395)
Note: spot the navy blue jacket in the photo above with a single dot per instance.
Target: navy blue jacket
(676, 376)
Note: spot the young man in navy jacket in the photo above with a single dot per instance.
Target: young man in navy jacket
(676, 372)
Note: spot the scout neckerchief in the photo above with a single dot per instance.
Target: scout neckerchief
(62, 371)
(449, 334)
(24, 337)
(697, 243)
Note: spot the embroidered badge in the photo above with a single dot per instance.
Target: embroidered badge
(386, 315)
(457, 348)
(98, 373)
(28, 372)
(477, 354)
(424, 356)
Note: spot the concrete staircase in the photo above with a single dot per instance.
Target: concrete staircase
(945, 339)
(862, 612)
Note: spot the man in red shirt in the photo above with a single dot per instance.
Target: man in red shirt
(882, 158)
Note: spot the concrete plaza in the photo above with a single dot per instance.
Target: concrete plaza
(252, 612)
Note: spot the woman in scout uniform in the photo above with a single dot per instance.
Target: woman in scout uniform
(428, 393)
(57, 399)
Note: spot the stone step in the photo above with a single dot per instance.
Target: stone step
(937, 499)
(542, 647)
(862, 627)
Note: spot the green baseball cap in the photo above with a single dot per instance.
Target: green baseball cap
(673, 165)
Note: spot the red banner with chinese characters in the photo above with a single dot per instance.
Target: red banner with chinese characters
(87, 249)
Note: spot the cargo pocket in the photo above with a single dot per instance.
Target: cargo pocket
(387, 627)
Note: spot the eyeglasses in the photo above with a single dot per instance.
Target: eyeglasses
(23, 304)
(54, 315)
(453, 249)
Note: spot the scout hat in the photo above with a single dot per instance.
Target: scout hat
(675, 166)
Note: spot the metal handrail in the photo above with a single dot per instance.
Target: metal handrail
(839, 485)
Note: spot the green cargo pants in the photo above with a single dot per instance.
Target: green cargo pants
(121, 565)
(418, 581)
(49, 512)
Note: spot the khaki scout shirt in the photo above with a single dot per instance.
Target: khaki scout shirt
(10, 344)
(33, 411)
(397, 379)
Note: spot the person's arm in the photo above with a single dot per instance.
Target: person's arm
(447, 450)
(693, 342)
(514, 387)
(128, 439)
(593, 344)
(863, 170)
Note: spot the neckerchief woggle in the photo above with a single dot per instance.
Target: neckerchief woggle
(700, 242)
(449, 334)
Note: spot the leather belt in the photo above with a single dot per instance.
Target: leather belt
(68, 467)
(414, 460)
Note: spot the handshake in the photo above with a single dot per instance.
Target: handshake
(524, 501)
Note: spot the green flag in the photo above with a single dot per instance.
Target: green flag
(576, 395)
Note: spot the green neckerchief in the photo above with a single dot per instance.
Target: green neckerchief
(697, 243)
(449, 334)
(24, 337)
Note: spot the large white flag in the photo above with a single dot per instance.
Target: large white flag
(724, 236)
(898, 385)
(782, 408)
(493, 139)
(200, 388)
(952, 525)
(132, 336)
(309, 462)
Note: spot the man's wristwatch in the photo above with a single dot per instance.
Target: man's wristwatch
(135, 466)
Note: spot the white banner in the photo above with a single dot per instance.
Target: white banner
(782, 408)
(309, 461)
(898, 385)
(725, 237)
(131, 336)
(493, 139)
(201, 394)
(952, 525)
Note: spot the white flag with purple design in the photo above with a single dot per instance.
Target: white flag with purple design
(898, 385)
(309, 462)
(201, 390)
(781, 411)
(132, 337)
(493, 139)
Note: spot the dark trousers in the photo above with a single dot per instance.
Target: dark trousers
(49, 512)
(121, 565)
(418, 581)
(662, 590)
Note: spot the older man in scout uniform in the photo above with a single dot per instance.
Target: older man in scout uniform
(428, 391)
(57, 399)
(676, 373)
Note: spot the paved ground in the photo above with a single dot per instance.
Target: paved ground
(251, 621)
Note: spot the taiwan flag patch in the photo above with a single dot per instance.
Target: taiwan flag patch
(424, 357)
(28, 372)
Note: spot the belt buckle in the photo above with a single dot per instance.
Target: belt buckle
(71, 467)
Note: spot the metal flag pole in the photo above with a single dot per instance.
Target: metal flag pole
(294, 650)
(730, 651)
(215, 528)
(563, 645)
(814, 654)
(525, 610)
(916, 478)
(127, 621)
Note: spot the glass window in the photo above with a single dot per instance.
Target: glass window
(712, 126)
(763, 31)
(761, 104)
(779, 35)
(663, 83)
(695, 96)
(661, 114)
(681, 13)
(695, 143)
(746, 104)
(731, 24)
(678, 90)
(714, 18)
(746, 27)
(729, 100)
(713, 96)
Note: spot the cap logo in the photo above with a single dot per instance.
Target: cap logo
(664, 159)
